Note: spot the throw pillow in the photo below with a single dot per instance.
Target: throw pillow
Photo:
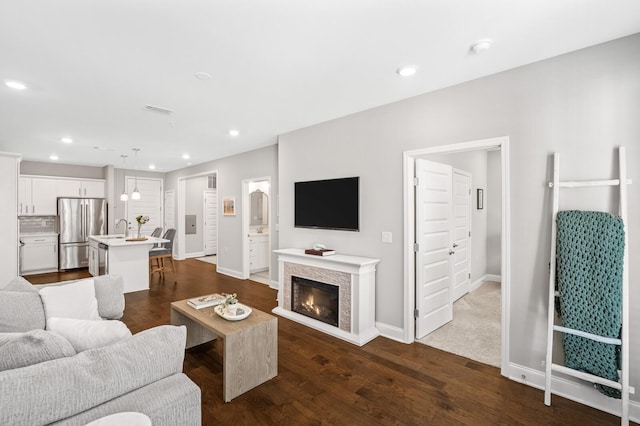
(19, 350)
(75, 300)
(89, 334)
(20, 311)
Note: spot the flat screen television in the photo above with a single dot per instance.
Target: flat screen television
(328, 204)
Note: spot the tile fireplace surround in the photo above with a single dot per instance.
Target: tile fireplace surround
(355, 277)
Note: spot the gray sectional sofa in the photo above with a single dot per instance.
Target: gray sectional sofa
(44, 381)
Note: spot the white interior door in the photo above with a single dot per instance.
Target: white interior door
(149, 204)
(462, 233)
(170, 209)
(210, 205)
(434, 256)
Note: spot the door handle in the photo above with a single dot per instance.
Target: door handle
(451, 252)
(455, 245)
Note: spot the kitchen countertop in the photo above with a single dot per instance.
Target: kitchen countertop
(119, 240)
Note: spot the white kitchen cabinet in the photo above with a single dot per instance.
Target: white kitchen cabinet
(258, 253)
(94, 258)
(91, 188)
(38, 254)
(37, 196)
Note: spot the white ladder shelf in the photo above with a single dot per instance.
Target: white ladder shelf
(550, 367)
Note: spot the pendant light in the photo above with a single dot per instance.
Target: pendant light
(135, 195)
(124, 196)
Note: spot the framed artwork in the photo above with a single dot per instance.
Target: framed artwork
(229, 206)
(480, 197)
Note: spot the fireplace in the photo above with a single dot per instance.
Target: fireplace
(315, 299)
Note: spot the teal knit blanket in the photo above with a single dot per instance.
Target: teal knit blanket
(590, 253)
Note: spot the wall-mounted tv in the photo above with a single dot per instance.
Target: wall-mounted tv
(328, 204)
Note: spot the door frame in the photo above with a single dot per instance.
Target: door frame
(470, 226)
(409, 157)
(246, 203)
(204, 215)
(181, 200)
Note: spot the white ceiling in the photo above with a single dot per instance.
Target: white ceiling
(276, 66)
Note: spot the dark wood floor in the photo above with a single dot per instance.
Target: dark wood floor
(326, 381)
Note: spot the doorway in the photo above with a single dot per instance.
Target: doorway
(256, 227)
(197, 217)
(411, 294)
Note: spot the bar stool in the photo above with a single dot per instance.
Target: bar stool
(157, 255)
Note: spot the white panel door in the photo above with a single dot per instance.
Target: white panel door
(461, 234)
(170, 209)
(149, 204)
(210, 205)
(434, 260)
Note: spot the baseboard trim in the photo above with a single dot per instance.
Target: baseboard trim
(229, 272)
(391, 332)
(274, 285)
(191, 255)
(491, 277)
(579, 392)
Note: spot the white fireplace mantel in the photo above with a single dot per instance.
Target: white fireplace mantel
(354, 275)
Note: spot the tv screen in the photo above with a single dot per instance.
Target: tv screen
(327, 204)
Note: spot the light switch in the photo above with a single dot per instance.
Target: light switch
(387, 237)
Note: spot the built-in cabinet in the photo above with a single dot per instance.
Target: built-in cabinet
(258, 253)
(37, 195)
(81, 188)
(38, 254)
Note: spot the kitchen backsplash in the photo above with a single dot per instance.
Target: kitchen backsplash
(38, 224)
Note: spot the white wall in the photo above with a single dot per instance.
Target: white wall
(231, 172)
(583, 105)
(493, 204)
(9, 168)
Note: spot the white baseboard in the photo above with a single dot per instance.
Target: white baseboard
(274, 285)
(391, 332)
(491, 277)
(190, 255)
(574, 390)
(229, 272)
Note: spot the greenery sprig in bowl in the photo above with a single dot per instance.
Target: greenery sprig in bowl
(230, 302)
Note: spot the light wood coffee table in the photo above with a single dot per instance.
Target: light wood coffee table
(250, 346)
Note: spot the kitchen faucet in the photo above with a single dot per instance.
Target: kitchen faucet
(126, 226)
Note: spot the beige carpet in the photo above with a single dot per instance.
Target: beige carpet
(474, 332)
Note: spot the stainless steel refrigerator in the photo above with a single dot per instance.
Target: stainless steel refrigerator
(77, 219)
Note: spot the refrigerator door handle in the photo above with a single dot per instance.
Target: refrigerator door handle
(86, 222)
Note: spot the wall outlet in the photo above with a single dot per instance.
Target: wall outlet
(386, 237)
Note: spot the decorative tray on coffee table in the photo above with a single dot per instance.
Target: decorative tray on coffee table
(242, 311)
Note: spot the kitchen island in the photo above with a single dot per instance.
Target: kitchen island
(124, 256)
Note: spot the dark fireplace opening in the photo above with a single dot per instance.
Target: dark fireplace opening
(315, 299)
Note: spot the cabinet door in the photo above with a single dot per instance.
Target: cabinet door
(69, 188)
(263, 253)
(24, 196)
(93, 189)
(43, 196)
(93, 260)
(39, 257)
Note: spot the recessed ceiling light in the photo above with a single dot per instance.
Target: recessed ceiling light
(152, 166)
(53, 157)
(185, 156)
(66, 140)
(481, 45)
(407, 70)
(17, 85)
(203, 76)
(234, 132)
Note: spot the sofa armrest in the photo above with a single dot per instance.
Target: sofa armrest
(54, 390)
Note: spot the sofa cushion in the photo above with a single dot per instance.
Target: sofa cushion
(76, 300)
(22, 349)
(51, 391)
(88, 334)
(20, 311)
